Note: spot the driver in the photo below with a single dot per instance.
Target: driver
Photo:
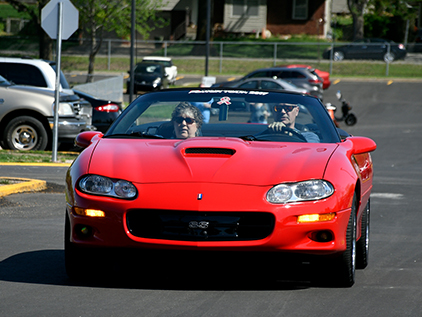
(285, 117)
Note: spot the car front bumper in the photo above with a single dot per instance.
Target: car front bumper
(117, 228)
(69, 128)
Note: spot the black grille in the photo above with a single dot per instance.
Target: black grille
(200, 226)
(76, 107)
(218, 151)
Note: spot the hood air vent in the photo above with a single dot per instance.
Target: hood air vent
(209, 152)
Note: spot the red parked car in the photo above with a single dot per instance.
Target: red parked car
(325, 76)
(161, 179)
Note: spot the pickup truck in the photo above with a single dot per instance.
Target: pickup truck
(27, 117)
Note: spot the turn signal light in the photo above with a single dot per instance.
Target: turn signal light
(89, 212)
(316, 217)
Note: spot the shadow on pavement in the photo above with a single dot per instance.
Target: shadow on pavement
(47, 267)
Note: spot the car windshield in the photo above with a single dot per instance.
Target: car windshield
(147, 69)
(63, 80)
(4, 82)
(164, 63)
(250, 115)
(288, 84)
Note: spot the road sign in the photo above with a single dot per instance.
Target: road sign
(70, 19)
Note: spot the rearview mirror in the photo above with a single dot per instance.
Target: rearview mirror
(224, 109)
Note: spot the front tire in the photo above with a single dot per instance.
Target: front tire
(340, 271)
(84, 263)
(362, 246)
(25, 134)
(71, 254)
(345, 265)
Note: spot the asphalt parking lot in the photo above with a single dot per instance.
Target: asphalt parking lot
(33, 281)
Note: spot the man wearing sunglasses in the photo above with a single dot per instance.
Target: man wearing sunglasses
(284, 122)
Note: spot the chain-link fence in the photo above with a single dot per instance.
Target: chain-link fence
(227, 57)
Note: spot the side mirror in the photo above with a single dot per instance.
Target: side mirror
(85, 138)
(362, 144)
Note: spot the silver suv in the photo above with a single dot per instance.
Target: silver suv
(27, 117)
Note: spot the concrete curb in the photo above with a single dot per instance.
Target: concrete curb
(23, 185)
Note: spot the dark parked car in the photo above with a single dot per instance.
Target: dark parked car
(301, 77)
(149, 77)
(369, 48)
(104, 111)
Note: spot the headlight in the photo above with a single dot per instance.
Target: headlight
(156, 81)
(65, 109)
(302, 191)
(100, 185)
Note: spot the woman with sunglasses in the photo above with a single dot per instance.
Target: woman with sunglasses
(187, 121)
(284, 121)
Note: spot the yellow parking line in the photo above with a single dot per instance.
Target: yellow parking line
(35, 164)
(389, 82)
(21, 185)
(336, 81)
(231, 79)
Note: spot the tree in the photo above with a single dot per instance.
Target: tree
(392, 19)
(34, 11)
(97, 16)
(201, 28)
(357, 9)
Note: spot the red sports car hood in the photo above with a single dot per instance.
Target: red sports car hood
(212, 160)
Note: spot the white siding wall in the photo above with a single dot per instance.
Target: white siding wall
(245, 24)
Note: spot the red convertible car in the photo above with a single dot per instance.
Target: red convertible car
(162, 179)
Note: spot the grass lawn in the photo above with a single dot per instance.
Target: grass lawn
(239, 58)
(7, 156)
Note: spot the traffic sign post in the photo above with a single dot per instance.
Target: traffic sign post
(58, 27)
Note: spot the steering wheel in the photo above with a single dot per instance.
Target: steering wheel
(285, 132)
(293, 133)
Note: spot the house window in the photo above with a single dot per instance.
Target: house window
(300, 9)
(245, 7)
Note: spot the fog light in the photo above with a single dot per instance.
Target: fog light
(322, 236)
(83, 231)
(89, 212)
(316, 217)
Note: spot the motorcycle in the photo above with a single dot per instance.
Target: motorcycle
(347, 116)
